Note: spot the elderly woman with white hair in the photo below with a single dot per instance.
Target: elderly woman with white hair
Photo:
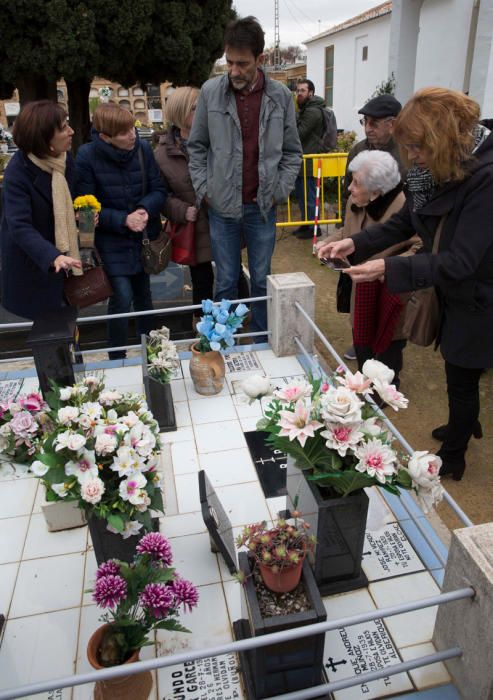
(377, 316)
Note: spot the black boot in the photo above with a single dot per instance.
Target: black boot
(453, 466)
(440, 433)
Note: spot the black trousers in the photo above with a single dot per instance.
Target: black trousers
(392, 357)
(463, 405)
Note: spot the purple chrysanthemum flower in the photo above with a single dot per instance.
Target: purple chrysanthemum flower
(107, 568)
(185, 593)
(157, 547)
(158, 598)
(109, 591)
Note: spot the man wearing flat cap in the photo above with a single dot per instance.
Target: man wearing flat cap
(378, 116)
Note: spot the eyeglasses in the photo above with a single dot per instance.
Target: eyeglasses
(375, 122)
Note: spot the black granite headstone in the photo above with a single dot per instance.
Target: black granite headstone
(269, 463)
(50, 339)
(217, 523)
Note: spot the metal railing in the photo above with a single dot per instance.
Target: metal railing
(258, 642)
(331, 165)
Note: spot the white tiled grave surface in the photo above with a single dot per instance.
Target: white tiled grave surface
(43, 575)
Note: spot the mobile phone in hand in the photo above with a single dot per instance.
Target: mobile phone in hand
(336, 264)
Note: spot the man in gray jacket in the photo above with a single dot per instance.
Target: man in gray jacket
(245, 155)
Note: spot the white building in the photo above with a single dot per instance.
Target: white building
(420, 42)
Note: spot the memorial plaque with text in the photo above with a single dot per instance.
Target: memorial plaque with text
(352, 651)
(242, 362)
(388, 552)
(205, 679)
(9, 389)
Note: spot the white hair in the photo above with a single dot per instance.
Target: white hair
(378, 170)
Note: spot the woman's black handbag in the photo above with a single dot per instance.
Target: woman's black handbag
(155, 254)
(343, 293)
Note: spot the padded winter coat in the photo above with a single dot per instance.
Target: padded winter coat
(114, 177)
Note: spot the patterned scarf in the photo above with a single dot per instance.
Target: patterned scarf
(420, 181)
(66, 234)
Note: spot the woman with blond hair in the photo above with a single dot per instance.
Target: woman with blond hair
(450, 185)
(172, 157)
(120, 171)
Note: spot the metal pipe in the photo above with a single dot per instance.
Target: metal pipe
(154, 312)
(453, 504)
(392, 670)
(234, 647)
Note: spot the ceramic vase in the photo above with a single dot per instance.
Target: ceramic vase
(132, 687)
(207, 370)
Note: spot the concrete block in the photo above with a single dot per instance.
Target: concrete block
(467, 623)
(283, 318)
(63, 515)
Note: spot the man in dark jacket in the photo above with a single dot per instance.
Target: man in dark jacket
(378, 119)
(311, 125)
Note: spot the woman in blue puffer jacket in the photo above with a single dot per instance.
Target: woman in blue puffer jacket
(111, 169)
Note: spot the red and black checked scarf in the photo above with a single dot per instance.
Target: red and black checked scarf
(376, 314)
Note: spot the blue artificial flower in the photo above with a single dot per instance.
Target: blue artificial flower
(224, 304)
(222, 316)
(205, 327)
(241, 310)
(207, 305)
(215, 346)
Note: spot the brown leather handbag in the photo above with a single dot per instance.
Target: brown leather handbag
(90, 288)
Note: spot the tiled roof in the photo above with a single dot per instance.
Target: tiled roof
(384, 8)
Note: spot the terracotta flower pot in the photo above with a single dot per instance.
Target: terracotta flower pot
(284, 580)
(207, 371)
(133, 687)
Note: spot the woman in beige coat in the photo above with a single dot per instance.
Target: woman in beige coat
(377, 316)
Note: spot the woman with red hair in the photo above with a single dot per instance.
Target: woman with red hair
(449, 184)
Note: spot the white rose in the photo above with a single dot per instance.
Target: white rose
(14, 408)
(340, 405)
(108, 397)
(66, 393)
(67, 414)
(105, 444)
(92, 490)
(424, 469)
(70, 441)
(256, 386)
(38, 468)
(373, 369)
(112, 415)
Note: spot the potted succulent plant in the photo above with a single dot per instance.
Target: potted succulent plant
(159, 362)
(279, 551)
(216, 329)
(102, 452)
(336, 446)
(139, 597)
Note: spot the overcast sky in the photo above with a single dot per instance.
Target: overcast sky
(301, 19)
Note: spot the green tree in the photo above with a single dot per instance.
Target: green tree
(121, 40)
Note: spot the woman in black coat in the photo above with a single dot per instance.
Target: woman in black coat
(38, 235)
(450, 181)
(120, 171)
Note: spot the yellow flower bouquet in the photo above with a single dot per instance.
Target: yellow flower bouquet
(86, 206)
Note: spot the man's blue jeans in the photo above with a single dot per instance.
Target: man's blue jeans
(260, 239)
(311, 196)
(128, 289)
